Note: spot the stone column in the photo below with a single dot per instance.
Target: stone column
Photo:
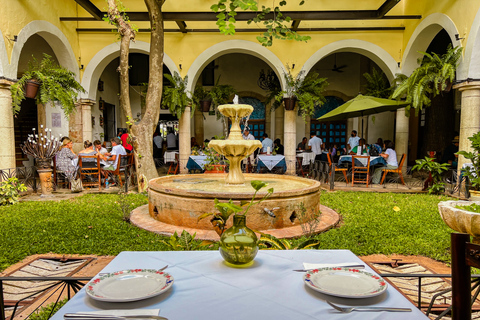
(80, 124)
(87, 119)
(7, 132)
(184, 139)
(401, 136)
(290, 133)
(198, 123)
(41, 116)
(279, 120)
(469, 115)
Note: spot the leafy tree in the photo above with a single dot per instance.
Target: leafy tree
(141, 132)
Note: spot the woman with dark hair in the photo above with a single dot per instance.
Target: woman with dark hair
(278, 147)
(88, 151)
(390, 156)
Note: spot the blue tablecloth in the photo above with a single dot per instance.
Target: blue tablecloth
(373, 160)
(271, 162)
(196, 162)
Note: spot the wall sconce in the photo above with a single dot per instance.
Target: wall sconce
(15, 38)
(180, 66)
(93, 121)
(293, 66)
(101, 104)
(81, 67)
(100, 85)
(457, 37)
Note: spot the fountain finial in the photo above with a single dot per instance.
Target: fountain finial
(235, 100)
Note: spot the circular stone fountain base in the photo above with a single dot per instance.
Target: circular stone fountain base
(141, 218)
(176, 202)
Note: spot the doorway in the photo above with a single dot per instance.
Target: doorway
(109, 121)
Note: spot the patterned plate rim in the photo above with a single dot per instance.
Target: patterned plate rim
(93, 284)
(382, 284)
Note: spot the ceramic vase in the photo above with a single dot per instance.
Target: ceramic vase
(239, 244)
(45, 181)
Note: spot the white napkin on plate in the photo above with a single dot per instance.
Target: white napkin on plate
(310, 266)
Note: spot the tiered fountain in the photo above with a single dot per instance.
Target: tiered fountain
(175, 202)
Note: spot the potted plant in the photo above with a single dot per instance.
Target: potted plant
(238, 244)
(55, 83)
(215, 162)
(307, 91)
(435, 74)
(269, 82)
(43, 146)
(377, 85)
(175, 97)
(472, 171)
(202, 99)
(435, 170)
(221, 94)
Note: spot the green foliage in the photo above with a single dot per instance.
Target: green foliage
(221, 93)
(200, 94)
(270, 242)
(175, 96)
(183, 242)
(277, 28)
(473, 172)
(472, 208)
(429, 79)
(307, 90)
(56, 84)
(226, 209)
(377, 85)
(48, 311)
(9, 190)
(436, 169)
(213, 157)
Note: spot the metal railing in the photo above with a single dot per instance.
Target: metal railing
(26, 175)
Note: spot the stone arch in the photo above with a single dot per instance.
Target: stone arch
(95, 67)
(471, 60)
(3, 55)
(54, 37)
(423, 36)
(234, 46)
(375, 53)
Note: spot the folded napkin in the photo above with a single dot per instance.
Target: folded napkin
(310, 266)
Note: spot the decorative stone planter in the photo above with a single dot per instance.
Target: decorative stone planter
(45, 181)
(461, 220)
(216, 168)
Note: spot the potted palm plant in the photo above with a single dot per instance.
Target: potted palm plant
(202, 99)
(175, 97)
(377, 85)
(307, 91)
(435, 74)
(55, 83)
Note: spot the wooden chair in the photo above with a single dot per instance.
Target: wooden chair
(59, 175)
(173, 168)
(343, 170)
(90, 171)
(464, 256)
(362, 171)
(397, 171)
(122, 163)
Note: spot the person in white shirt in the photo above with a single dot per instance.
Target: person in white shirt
(315, 144)
(171, 140)
(112, 157)
(247, 135)
(353, 141)
(267, 143)
(390, 156)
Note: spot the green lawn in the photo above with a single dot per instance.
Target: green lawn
(93, 224)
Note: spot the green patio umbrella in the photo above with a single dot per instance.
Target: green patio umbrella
(362, 106)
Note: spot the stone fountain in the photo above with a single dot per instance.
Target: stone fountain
(176, 202)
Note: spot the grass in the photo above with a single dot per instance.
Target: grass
(93, 224)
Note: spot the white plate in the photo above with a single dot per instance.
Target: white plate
(345, 282)
(129, 285)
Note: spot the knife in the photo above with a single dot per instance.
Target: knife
(358, 266)
(89, 316)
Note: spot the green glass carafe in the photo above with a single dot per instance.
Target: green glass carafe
(238, 244)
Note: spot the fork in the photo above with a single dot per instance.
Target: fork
(350, 309)
(104, 273)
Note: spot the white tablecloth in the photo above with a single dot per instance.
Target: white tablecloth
(308, 157)
(169, 156)
(270, 161)
(200, 160)
(205, 288)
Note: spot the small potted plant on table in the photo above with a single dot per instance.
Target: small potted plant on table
(215, 162)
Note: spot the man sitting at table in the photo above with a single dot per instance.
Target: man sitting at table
(391, 157)
(267, 143)
(112, 157)
(361, 149)
(171, 140)
(302, 146)
(315, 144)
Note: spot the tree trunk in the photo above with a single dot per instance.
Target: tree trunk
(141, 133)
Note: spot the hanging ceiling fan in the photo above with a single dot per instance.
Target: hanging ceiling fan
(337, 68)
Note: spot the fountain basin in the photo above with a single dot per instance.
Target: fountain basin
(461, 220)
(180, 200)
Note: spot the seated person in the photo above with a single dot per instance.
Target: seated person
(361, 149)
(278, 146)
(88, 151)
(266, 143)
(390, 156)
(379, 145)
(302, 146)
(112, 157)
(449, 154)
(64, 159)
(99, 148)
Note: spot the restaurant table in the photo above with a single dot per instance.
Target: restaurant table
(307, 157)
(271, 161)
(169, 156)
(206, 288)
(373, 160)
(196, 162)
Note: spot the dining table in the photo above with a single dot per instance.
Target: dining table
(196, 162)
(271, 162)
(307, 157)
(204, 287)
(378, 160)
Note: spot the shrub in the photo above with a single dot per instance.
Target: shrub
(9, 190)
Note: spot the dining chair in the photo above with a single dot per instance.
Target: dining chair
(59, 175)
(397, 171)
(464, 255)
(361, 168)
(343, 170)
(173, 168)
(121, 167)
(89, 167)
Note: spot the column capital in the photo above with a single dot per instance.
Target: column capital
(6, 83)
(467, 85)
(85, 102)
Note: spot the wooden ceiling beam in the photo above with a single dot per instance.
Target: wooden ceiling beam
(90, 8)
(386, 7)
(182, 25)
